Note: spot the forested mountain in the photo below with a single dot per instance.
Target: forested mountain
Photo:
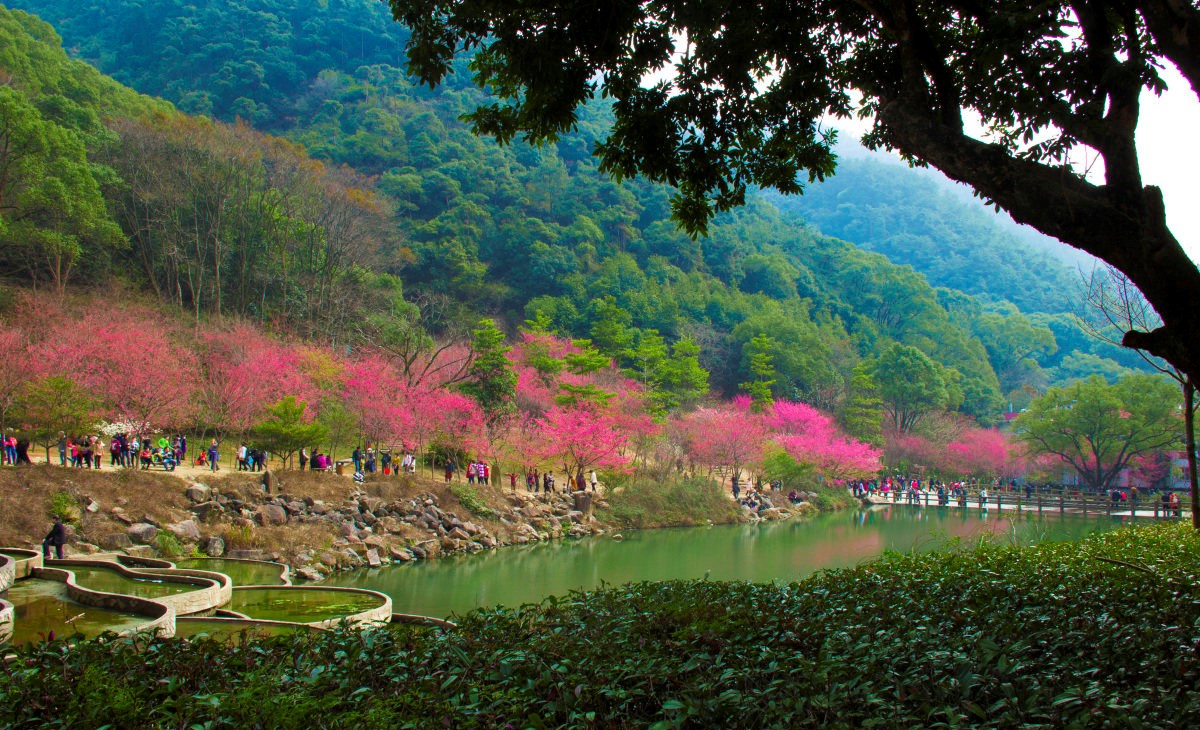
(913, 217)
(224, 219)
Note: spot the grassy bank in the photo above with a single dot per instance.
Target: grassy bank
(1100, 633)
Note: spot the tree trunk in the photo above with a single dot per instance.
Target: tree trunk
(1189, 430)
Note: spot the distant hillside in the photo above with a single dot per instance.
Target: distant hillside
(918, 218)
(514, 232)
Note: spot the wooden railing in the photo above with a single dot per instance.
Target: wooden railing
(1059, 501)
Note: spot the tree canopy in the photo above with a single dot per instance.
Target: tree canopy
(1100, 429)
(749, 86)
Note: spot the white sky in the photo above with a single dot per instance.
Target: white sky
(1168, 140)
(1169, 149)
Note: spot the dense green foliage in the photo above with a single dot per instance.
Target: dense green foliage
(916, 219)
(504, 231)
(1099, 428)
(1089, 634)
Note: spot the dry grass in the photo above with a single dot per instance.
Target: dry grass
(25, 494)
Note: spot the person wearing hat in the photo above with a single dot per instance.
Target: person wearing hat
(57, 538)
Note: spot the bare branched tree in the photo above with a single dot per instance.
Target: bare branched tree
(1111, 307)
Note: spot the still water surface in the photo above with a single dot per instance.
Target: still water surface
(780, 551)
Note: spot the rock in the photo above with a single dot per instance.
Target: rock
(583, 503)
(404, 555)
(186, 530)
(86, 548)
(207, 511)
(351, 557)
(91, 506)
(459, 533)
(575, 516)
(488, 541)
(247, 554)
(198, 493)
(329, 559)
(140, 551)
(213, 546)
(115, 541)
(471, 528)
(376, 542)
(271, 514)
(347, 529)
(142, 532)
(373, 558)
(310, 573)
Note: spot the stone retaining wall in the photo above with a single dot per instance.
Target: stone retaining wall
(161, 615)
(210, 592)
(8, 572)
(24, 565)
(6, 621)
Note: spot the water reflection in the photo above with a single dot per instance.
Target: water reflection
(764, 552)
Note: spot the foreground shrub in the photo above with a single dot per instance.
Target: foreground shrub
(1094, 634)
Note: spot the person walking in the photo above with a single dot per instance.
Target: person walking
(56, 537)
(214, 453)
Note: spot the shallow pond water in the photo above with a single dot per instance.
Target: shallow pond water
(108, 580)
(302, 605)
(42, 606)
(781, 551)
(241, 572)
(227, 629)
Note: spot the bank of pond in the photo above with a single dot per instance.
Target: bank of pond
(1098, 631)
(123, 593)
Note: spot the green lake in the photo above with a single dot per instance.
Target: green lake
(780, 551)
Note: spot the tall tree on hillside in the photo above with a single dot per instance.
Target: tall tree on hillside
(761, 364)
(752, 84)
(491, 380)
(910, 384)
(50, 202)
(1099, 429)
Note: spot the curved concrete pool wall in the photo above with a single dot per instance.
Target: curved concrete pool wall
(24, 561)
(414, 619)
(8, 572)
(194, 601)
(133, 561)
(161, 615)
(283, 571)
(379, 614)
(211, 590)
(6, 621)
(186, 626)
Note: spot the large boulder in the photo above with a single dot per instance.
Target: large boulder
(198, 493)
(115, 541)
(207, 511)
(142, 533)
(310, 573)
(271, 514)
(186, 530)
(212, 546)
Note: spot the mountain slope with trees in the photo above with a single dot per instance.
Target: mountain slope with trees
(514, 232)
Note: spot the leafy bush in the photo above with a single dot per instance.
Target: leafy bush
(470, 499)
(168, 545)
(1092, 634)
(647, 503)
(63, 504)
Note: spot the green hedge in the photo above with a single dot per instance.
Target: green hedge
(1056, 635)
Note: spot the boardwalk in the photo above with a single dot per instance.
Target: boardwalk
(1062, 502)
